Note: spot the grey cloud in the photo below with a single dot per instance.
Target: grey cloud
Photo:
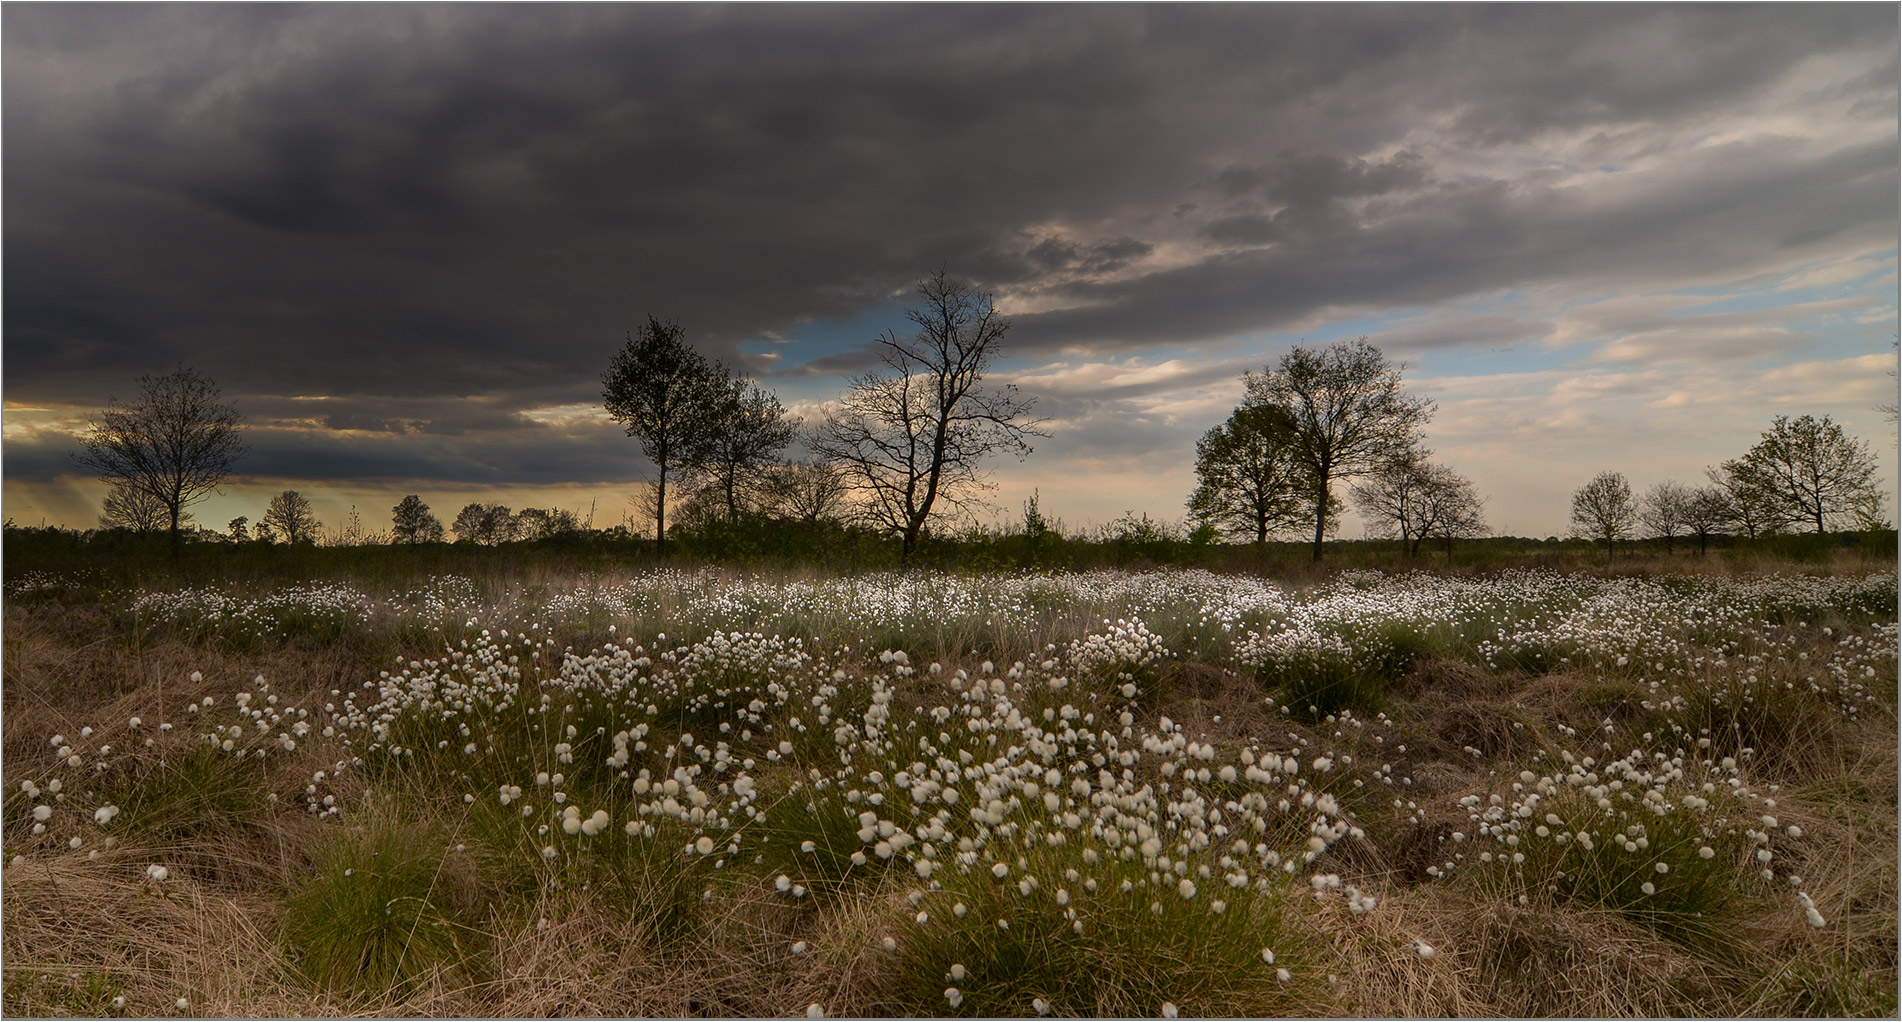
(442, 215)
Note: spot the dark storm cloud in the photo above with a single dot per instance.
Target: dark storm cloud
(441, 216)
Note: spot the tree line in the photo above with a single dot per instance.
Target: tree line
(902, 452)
(1803, 474)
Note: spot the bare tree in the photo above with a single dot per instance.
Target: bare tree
(668, 396)
(127, 507)
(290, 516)
(1706, 513)
(751, 430)
(176, 443)
(1603, 509)
(1250, 480)
(1808, 470)
(910, 443)
(411, 522)
(1664, 509)
(1413, 498)
(806, 491)
(1349, 413)
(1452, 509)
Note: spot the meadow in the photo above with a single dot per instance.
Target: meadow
(554, 791)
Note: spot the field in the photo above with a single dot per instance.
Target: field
(549, 792)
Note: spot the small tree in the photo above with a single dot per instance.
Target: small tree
(1413, 498)
(669, 398)
(534, 523)
(175, 444)
(290, 516)
(1452, 508)
(1251, 480)
(1349, 413)
(751, 430)
(1706, 513)
(911, 443)
(488, 524)
(411, 522)
(806, 491)
(1664, 509)
(1603, 509)
(239, 529)
(1808, 470)
(1748, 507)
(127, 507)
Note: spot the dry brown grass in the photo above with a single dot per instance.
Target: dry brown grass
(76, 931)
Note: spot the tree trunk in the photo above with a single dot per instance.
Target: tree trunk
(177, 541)
(660, 514)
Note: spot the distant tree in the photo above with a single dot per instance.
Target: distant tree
(1808, 470)
(128, 507)
(290, 515)
(751, 429)
(534, 523)
(1036, 526)
(1603, 509)
(411, 522)
(1453, 509)
(806, 491)
(488, 524)
(1706, 513)
(911, 443)
(1664, 510)
(669, 398)
(1749, 508)
(175, 444)
(239, 529)
(1250, 478)
(1349, 413)
(1412, 498)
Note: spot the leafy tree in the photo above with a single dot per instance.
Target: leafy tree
(1748, 507)
(1705, 513)
(290, 515)
(1349, 413)
(1251, 480)
(1808, 470)
(910, 443)
(669, 398)
(128, 507)
(175, 444)
(488, 524)
(750, 431)
(533, 523)
(411, 522)
(1603, 509)
(1664, 511)
(239, 529)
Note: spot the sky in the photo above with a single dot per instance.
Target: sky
(406, 239)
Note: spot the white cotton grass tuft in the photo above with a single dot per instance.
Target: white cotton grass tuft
(954, 995)
(958, 973)
(1423, 949)
(1169, 1010)
(815, 1010)
(1040, 1006)
(157, 872)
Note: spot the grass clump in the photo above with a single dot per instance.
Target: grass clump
(1080, 936)
(378, 916)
